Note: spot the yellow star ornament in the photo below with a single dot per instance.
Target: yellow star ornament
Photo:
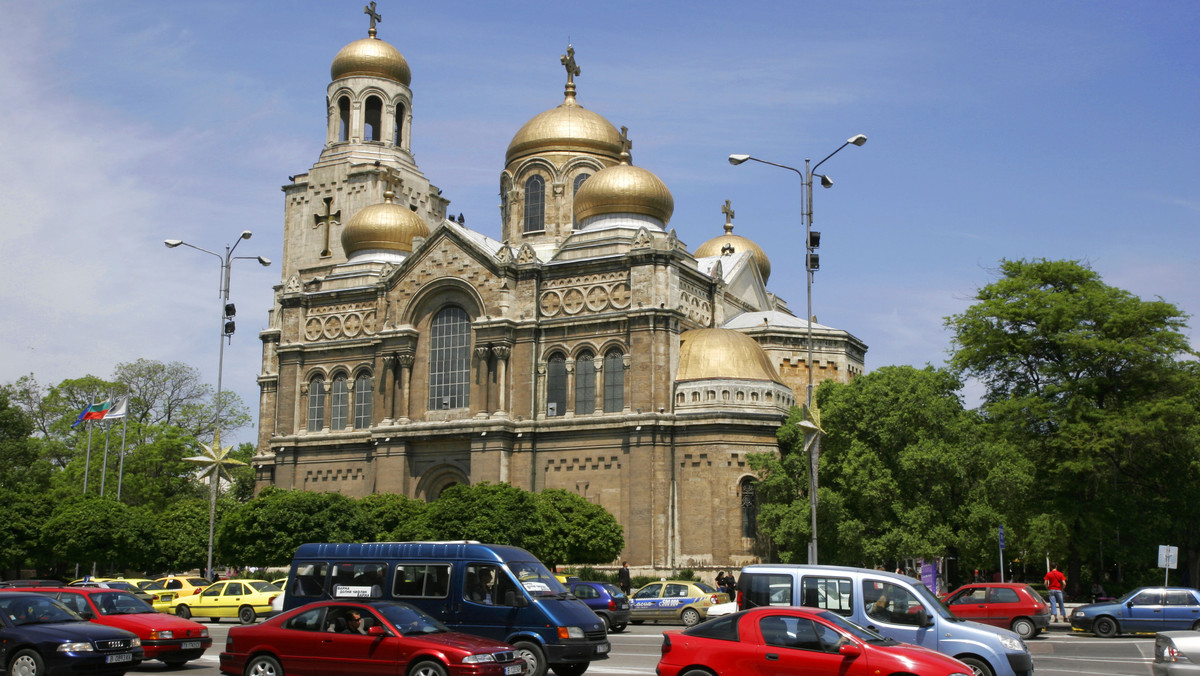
(215, 459)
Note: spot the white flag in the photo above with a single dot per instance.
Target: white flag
(118, 410)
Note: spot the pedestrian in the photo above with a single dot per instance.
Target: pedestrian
(623, 580)
(1054, 584)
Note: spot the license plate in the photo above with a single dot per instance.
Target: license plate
(119, 657)
(188, 645)
(514, 669)
(602, 648)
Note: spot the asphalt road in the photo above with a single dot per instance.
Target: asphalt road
(635, 652)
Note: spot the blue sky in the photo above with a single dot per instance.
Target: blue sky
(997, 130)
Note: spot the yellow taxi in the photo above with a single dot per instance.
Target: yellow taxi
(243, 599)
(167, 589)
(674, 601)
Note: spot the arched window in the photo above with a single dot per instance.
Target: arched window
(344, 118)
(449, 359)
(556, 386)
(339, 404)
(614, 382)
(398, 126)
(585, 384)
(362, 402)
(316, 404)
(749, 507)
(578, 182)
(535, 204)
(374, 119)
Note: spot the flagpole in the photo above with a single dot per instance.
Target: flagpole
(121, 470)
(87, 466)
(104, 469)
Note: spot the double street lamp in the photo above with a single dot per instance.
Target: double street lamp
(216, 457)
(812, 240)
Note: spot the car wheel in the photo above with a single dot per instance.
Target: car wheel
(246, 615)
(428, 668)
(690, 617)
(618, 628)
(264, 665)
(573, 669)
(1196, 626)
(607, 626)
(1024, 627)
(1105, 627)
(184, 612)
(215, 619)
(697, 672)
(637, 621)
(978, 666)
(535, 659)
(26, 663)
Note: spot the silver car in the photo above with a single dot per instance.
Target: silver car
(1177, 653)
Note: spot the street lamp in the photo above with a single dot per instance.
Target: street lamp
(227, 328)
(812, 240)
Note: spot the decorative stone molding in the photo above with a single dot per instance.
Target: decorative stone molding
(502, 351)
(591, 293)
(642, 239)
(346, 320)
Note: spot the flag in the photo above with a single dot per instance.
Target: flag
(81, 415)
(94, 412)
(118, 410)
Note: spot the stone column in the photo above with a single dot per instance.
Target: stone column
(406, 360)
(598, 384)
(387, 388)
(501, 353)
(327, 409)
(482, 371)
(570, 400)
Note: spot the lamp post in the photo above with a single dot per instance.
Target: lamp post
(812, 240)
(227, 328)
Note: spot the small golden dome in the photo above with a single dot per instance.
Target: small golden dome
(371, 57)
(624, 189)
(705, 354)
(383, 226)
(567, 128)
(731, 243)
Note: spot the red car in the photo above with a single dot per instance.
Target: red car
(164, 637)
(786, 641)
(1008, 605)
(376, 638)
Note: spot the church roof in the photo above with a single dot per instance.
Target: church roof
(707, 354)
(771, 318)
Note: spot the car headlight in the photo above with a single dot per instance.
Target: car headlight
(1080, 613)
(204, 632)
(160, 634)
(479, 659)
(570, 632)
(135, 643)
(75, 647)
(1012, 643)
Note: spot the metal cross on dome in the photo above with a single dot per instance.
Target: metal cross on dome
(568, 60)
(369, 10)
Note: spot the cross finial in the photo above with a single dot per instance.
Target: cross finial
(568, 60)
(626, 145)
(369, 10)
(728, 211)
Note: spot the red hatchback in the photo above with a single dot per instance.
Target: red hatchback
(1008, 605)
(164, 637)
(790, 641)
(344, 637)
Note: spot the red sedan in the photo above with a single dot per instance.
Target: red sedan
(1008, 605)
(785, 641)
(344, 637)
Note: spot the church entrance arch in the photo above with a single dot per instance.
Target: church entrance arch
(438, 479)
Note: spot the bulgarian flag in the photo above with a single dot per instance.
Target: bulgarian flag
(94, 412)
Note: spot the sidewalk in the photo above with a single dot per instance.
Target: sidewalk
(1064, 623)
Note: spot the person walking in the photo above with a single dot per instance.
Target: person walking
(623, 580)
(1054, 584)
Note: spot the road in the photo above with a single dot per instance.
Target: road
(635, 652)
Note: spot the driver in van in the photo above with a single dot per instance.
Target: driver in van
(481, 590)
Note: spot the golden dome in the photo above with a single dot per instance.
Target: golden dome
(567, 128)
(731, 243)
(383, 226)
(705, 354)
(371, 57)
(624, 189)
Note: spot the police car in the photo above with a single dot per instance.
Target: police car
(675, 601)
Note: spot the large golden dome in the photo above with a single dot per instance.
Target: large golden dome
(624, 189)
(371, 57)
(383, 226)
(705, 354)
(732, 243)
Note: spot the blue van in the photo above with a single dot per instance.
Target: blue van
(500, 592)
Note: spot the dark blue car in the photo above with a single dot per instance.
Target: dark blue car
(39, 635)
(606, 600)
(1143, 610)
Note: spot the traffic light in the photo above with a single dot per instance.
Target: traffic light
(230, 311)
(814, 240)
(814, 262)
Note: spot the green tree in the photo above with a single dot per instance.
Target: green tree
(573, 530)
(267, 530)
(1087, 380)
(395, 518)
(494, 513)
(22, 467)
(91, 528)
(180, 534)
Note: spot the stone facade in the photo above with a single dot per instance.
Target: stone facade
(548, 360)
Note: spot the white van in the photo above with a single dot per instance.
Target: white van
(896, 606)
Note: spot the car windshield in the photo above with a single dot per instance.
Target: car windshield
(536, 579)
(705, 588)
(614, 591)
(155, 586)
(410, 621)
(859, 632)
(120, 603)
(35, 610)
(932, 602)
(261, 586)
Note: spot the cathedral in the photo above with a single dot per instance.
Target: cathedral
(588, 349)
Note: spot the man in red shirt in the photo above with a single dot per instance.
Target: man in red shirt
(1054, 584)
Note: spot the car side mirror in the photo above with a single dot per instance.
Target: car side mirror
(1129, 604)
(376, 630)
(921, 618)
(87, 614)
(512, 598)
(849, 650)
